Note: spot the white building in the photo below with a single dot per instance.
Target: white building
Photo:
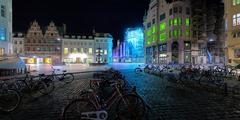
(18, 44)
(5, 27)
(87, 49)
(77, 49)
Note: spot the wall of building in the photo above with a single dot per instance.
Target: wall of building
(232, 23)
(77, 49)
(18, 44)
(167, 32)
(5, 27)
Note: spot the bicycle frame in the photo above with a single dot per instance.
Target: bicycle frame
(93, 98)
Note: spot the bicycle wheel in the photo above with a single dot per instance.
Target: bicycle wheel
(137, 70)
(131, 107)
(68, 78)
(45, 88)
(9, 100)
(74, 110)
(94, 84)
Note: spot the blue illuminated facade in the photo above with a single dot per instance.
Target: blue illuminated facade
(134, 45)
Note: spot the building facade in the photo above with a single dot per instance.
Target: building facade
(5, 27)
(232, 23)
(184, 32)
(18, 44)
(87, 49)
(42, 48)
(77, 49)
(167, 32)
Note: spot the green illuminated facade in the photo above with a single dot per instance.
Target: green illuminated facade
(173, 27)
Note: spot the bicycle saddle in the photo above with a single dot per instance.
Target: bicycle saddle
(64, 70)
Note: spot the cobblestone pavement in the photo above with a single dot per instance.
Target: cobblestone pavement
(166, 100)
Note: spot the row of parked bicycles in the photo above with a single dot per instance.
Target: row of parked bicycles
(216, 75)
(107, 93)
(13, 89)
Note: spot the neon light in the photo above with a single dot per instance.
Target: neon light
(163, 37)
(162, 26)
(187, 22)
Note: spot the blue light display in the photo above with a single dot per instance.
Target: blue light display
(135, 42)
(2, 34)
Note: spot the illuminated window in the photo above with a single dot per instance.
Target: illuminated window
(180, 21)
(187, 33)
(187, 21)
(175, 33)
(90, 50)
(175, 21)
(2, 34)
(154, 38)
(170, 34)
(105, 52)
(170, 22)
(65, 51)
(75, 50)
(82, 50)
(163, 37)
(180, 32)
(162, 26)
(154, 29)
(149, 32)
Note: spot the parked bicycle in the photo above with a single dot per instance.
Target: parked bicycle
(30, 84)
(64, 77)
(92, 106)
(9, 98)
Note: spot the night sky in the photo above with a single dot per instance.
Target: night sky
(81, 16)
